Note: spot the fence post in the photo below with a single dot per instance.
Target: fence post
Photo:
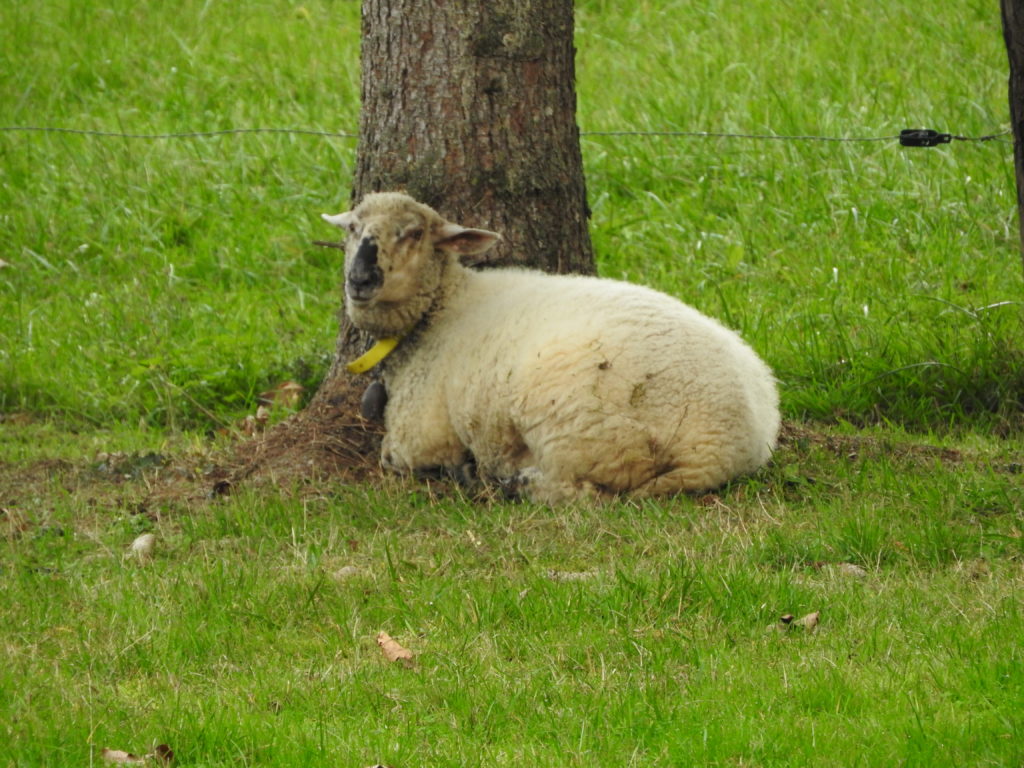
(1013, 34)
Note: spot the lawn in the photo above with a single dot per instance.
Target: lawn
(151, 289)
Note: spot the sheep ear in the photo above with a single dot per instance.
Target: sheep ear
(466, 242)
(340, 220)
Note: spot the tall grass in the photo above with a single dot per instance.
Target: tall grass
(173, 280)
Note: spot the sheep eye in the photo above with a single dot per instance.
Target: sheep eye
(413, 234)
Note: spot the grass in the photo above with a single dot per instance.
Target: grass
(172, 281)
(154, 288)
(609, 636)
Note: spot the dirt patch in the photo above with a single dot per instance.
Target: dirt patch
(327, 440)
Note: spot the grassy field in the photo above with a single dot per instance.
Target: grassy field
(150, 289)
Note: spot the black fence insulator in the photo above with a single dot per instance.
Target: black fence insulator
(923, 137)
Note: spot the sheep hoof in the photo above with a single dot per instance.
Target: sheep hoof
(465, 474)
(374, 399)
(516, 486)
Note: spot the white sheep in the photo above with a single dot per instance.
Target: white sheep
(562, 386)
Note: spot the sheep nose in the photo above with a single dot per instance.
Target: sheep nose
(363, 274)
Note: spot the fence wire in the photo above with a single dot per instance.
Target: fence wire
(997, 137)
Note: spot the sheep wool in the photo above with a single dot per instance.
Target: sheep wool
(561, 387)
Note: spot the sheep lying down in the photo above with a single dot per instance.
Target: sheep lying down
(562, 387)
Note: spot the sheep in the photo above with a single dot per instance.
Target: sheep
(565, 387)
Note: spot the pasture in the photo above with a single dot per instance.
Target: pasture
(150, 289)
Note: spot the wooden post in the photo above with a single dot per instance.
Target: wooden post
(1013, 33)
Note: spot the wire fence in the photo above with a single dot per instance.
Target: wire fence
(911, 137)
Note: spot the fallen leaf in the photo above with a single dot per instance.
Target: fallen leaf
(120, 756)
(162, 754)
(808, 622)
(143, 546)
(251, 425)
(345, 572)
(287, 394)
(392, 650)
(787, 622)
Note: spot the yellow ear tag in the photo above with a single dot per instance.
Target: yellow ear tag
(373, 355)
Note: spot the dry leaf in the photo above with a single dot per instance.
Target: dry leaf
(787, 622)
(808, 622)
(143, 546)
(120, 756)
(345, 572)
(392, 650)
(163, 755)
(287, 394)
(251, 425)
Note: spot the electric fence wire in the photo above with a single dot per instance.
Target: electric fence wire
(909, 137)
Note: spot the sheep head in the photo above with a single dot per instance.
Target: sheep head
(396, 251)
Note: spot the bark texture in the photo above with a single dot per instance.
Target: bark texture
(1013, 33)
(470, 107)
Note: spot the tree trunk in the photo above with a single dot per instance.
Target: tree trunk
(470, 107)
(1013, 33)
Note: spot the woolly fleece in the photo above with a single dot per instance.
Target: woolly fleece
(565, 386)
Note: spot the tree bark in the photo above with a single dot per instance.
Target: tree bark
(470, 107)
(1013, 34)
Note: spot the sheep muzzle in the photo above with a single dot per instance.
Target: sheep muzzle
(363, 276)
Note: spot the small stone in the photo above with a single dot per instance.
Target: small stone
(143, 546)
(851, 570)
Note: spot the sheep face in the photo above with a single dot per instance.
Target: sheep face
(395, 254)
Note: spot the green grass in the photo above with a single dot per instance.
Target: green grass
(154, 288)
(589, 636)
(172, 281)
